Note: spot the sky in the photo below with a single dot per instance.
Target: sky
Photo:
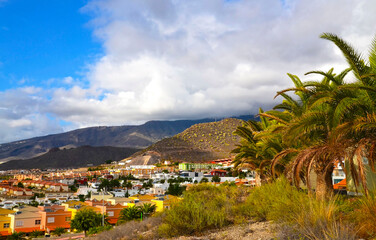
(79, 63)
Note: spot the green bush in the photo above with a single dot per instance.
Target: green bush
(203, 207)
(58, 231)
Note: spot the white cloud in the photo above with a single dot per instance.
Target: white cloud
(187, 59)
(21, 115)
(167, 59)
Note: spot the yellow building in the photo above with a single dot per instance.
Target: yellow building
(165, 202)
(121, 200)
(5, 222)
(73, 206)
(143, 198)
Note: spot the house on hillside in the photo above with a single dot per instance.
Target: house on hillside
(54, 216)
(218, 172)
(5, 222)
(112, 211)
(25, 219)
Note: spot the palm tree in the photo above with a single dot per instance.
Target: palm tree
(130, 213)
(314, 129)
(359, 127)
(258, 146)
(148, 209)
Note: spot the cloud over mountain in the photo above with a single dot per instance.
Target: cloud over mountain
(190, 59)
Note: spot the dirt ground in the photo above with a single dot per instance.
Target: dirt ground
(249, 231)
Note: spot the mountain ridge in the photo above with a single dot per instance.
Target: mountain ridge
(131, 136)
(70, 158)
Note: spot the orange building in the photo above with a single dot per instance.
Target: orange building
(54, 216)
(112, 211)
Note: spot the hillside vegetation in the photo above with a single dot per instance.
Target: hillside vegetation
(201, 142)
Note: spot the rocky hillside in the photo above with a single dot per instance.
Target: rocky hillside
(71, 158)
(199, 143)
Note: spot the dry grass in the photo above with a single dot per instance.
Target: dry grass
(132, 230)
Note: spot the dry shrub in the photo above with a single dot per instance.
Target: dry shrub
(300, 216)
(132, 230)
(364, 216)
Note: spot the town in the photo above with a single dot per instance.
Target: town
(46, 200)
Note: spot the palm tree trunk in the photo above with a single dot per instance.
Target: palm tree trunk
(324, 184)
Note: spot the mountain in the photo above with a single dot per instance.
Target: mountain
(71, 158)
(119, 136)
(199, 143)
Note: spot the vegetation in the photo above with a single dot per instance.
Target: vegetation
(58, 231)
(36, 233)
(17, 236)
(137, 212)
(216, 179)
(109, 184)
(200, 142)
(86, 219)
(324, 121)
(203, 207)
(96, 230)
(175, 189)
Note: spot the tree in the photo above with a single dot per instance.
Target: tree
(175, 189)
(108, 161)
(216, 179)
(358, 112)
(114, 183)
(105, 184)
(148, 209)
(147, 184)
(203, 180)
(260, 143)
(81, 197)
(127, 184)
(130, 213)
(86, 219)
(20, 185)
(314, 131)
(58, 231)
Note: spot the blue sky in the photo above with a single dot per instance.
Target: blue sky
(42, 40)
(67, 64)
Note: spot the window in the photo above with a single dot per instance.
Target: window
(37, 222)
(6, 225)
(67, 219)
(110, 213)
(19, 223)
(51, 220)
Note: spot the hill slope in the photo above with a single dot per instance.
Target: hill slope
(199, 143)
(69, 158)
(119, 136)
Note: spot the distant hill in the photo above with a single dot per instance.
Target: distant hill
(140, 136)
(119, 136)
(70, 158)
(199, 143)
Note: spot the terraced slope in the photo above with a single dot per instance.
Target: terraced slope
(199, 143)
